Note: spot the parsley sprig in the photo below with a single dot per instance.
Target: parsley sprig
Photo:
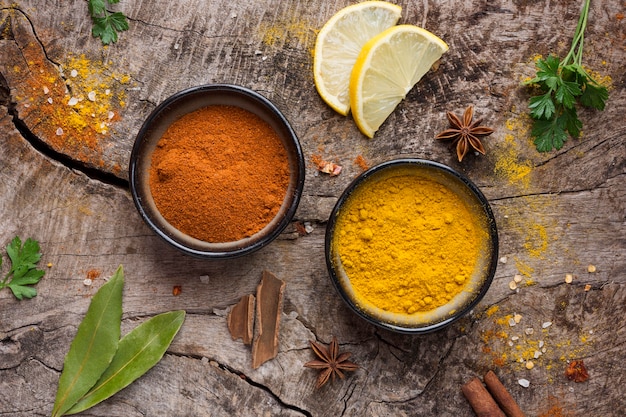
(563, 85)
(105, 24)
(23, 272)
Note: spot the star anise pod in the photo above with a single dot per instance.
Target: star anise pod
(331, 362)
(465, 133)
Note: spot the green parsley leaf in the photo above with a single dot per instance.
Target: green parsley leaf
(594, 96)
(569, 120)
(549, 134)
(542, 106)
(564, 84)
(23, 270)
(566, 93)
(548, 71)
(105, 24)
(96, 7)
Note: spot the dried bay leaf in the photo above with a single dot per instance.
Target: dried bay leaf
(138, 351)
(93, 346)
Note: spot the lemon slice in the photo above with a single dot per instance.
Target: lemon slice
(387, 67)
(339, 42)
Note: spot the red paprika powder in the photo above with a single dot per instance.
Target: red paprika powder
(219, 174)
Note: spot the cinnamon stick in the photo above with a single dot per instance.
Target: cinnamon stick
(502, 396)
(241, 319)
(481, 401)
(269, 306)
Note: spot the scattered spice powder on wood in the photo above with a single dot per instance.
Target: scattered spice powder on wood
(361, 163)
(219, 174)
(70, 106)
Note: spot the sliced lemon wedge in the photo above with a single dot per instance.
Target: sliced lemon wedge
(339, 42)
(387, 68)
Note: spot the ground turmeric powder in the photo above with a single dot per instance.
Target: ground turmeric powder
(408, 245)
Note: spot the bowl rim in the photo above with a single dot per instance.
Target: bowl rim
(253, 97)
(493, 236)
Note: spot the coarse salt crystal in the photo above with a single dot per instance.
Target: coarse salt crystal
(512, 322)
(544, 350)
(87, 282)
(107, 92)
(514, 338)
(529, 331)
(50, 100)
(46, 90)
(308, 228)
(503, 259)
(59, 131)
(511, 343)
(537, 354)
(541, 343)
(524, 382)
(72, 101)
(91, 96)
(73, 73)
(546, 325)
(110, 115)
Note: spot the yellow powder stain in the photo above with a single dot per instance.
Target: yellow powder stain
(536, 242)
(492, 310)
(281, 32)
(523, 267)
(510, 165)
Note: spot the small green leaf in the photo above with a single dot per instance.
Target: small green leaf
(96, 7)
(138, 352)
(541, 106)
(118, 21)
(548, 71)
(594, 96)
(93, 346)
(570, 122)
(566, 93)
(549, 134)
(19, 284)
(23, 270)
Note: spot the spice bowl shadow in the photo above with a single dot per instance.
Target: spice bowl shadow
(182, 104)
(411, 246)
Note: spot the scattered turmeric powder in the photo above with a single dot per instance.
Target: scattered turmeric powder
(408, 246)
(71, 105)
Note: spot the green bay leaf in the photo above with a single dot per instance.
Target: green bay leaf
(94, 345)
(138, 351)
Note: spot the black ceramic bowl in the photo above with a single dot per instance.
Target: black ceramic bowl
(481, 277)
(185, 102)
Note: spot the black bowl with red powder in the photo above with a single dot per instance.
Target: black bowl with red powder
(217, 171)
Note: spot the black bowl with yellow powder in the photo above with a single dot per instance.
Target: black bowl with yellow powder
(216, 171)
(411, 245)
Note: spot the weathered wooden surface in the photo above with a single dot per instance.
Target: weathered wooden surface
(557, 212)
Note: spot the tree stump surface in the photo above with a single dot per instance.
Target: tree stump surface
(64, 182)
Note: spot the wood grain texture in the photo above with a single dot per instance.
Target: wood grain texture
(557, 213)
